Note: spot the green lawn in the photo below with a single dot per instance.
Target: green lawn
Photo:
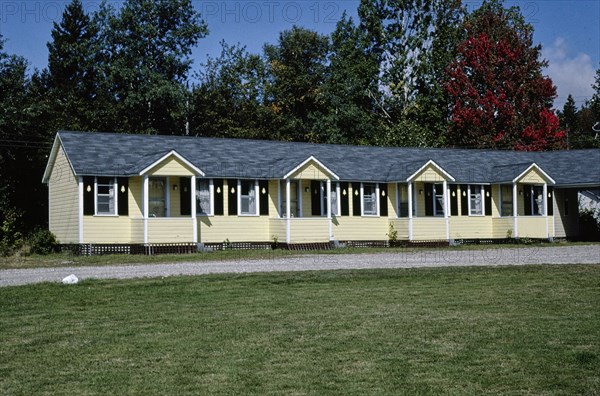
(507, 330)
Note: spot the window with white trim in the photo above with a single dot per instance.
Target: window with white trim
(369, 199)
(157, 193)
(106, 202)
(203, 197)
(476, 200)
(248, 193)
(335, 202)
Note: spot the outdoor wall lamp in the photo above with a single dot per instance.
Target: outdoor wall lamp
(175, 187)
(420, 192)
(306, 189)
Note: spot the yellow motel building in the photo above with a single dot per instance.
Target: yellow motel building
(127, 193)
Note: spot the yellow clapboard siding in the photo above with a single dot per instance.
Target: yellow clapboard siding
(430, 175)
(135, 197)
(106, 229)
(273, 198)
(310, 171)
(430, 228)
(349, 228)
(137, 230)
(171, 166)
(420, 201)
(277, 229)
(532, 227)
(462, 227)
(175, 197)
(306, 198)
(234, 229)
(170, 230)
(496, 204)
(391, 200)
(63, 201)
(304, 230)
(532, 177)
(503, 227)
(401, 227)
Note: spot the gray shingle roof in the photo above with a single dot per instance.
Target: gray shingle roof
(92, 153)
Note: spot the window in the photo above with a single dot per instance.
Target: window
(203, 197)
(334, 199)
(105, 196)
(248, 196)
(475, 200)
(402, 200)
(369, 199)
(438, 200)
(157, 193)
(537, 200)
(506, 196)
(294, 199)
(335, 206)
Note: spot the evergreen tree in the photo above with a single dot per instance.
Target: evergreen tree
(73, 79)
(568, 120)
(23, 147)
(150, 43)
(229, 101)
(350, 90)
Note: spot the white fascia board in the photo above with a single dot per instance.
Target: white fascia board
(52, 158)
(432, 163)
(530, 167)
(176, 155)
(316, 161)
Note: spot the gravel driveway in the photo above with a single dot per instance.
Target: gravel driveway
(411, 258)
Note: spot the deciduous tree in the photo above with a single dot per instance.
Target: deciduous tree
(500, 97)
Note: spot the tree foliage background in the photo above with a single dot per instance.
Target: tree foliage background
(406, 73)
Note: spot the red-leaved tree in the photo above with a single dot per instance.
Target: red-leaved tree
(500, 97)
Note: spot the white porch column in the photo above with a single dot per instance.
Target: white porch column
(193, 203)
(145, 207)
(445, 187)
(80, 209)
(329, 209)
(515, 222)
(545, 192)
(287, 211)
(410, 211)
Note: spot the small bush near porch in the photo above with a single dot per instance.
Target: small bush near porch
(511, 330)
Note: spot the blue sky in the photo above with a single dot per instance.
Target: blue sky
(569, 30)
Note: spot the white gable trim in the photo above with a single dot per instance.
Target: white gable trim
(52, 159)
(530, 167)
(176, 155)
(432, 163)
(316, 161)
